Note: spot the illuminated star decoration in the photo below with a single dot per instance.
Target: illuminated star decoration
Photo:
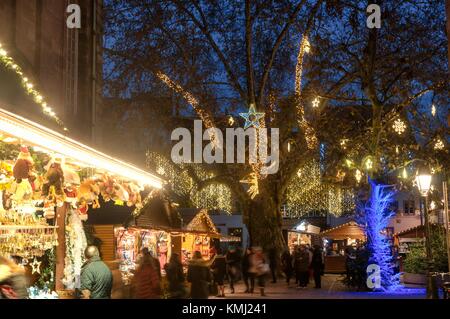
(399, 126)
(35, 266)
(316, 103)
(252, 117)
(358, 176)
(252, 180)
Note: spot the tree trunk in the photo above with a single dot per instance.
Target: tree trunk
(264, 222)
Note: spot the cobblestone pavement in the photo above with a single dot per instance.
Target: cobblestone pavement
(332, 288)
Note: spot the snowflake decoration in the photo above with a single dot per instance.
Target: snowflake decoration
(439, 145)
(399, 126)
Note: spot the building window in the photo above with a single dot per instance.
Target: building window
(409, 207)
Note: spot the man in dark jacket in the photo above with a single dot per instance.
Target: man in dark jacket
(233, 258)
(96, 277)
(199, 276)
(301, 266)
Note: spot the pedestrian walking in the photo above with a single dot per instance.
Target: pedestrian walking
(146, 283)
(13, 283)
(287, 265)
(219, 270)
(249, 278)
(317, 265)
(273, 260)
(199, 276)
(260, 268)
(233, 260)
(96, 277)
(175, 277)
(301, 265)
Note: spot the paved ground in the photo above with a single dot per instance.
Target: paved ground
(332, 288)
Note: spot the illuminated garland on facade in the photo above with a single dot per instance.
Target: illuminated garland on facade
(213, 196)
(307, 194)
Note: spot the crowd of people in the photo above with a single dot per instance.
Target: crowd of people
(204, 278)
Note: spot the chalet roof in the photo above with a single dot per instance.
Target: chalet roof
(202, 223)
(158, 213)
(344, 231)
(417, 231)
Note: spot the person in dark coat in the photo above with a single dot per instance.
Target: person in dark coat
(286, 264)
(175, 277)
(96, 277)
(146, 284)
(219, 269)
(249, 278)
(317, 265)
(233, 259)
(199, 276)
(301, 265)
(273, 259)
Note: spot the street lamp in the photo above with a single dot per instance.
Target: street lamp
(423, 181)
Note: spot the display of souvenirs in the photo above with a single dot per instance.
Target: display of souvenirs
(130, 242)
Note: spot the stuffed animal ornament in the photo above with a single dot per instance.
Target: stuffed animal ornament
(21, 188)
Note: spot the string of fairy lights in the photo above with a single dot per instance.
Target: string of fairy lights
(29, 87)
(307, 194)
(214, 196)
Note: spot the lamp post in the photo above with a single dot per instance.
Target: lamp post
(423, 180)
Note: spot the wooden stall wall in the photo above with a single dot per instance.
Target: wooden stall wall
(108, 243)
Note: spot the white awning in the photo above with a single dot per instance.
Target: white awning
(47, 139)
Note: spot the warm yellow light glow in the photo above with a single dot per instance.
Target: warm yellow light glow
(439, 145)
(358, 175)
(399, 126)
(433, 110)
(52, 141)
(316, 103)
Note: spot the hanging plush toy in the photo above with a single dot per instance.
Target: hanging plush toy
(22, 188)
(107, 187)
(134, 193)
(88, 193)
(121, 195)
(71, 182)
(52, 189)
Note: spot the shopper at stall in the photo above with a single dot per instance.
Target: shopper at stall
(13, 283)
(259, 268)
(219, 270)
(175, 277)
(233, 259)
(301, 265)
(146, 284)
(286, 265)
(249, 278)
(317, 264)
(199, 276)
(96, 278)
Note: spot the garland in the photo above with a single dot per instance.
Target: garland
(76, 243)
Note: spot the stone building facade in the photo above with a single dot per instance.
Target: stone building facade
(64, 64)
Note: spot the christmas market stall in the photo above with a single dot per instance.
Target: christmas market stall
(336, 240)
(151, 227)
(49, 184)
(302, 234)
(198, 236)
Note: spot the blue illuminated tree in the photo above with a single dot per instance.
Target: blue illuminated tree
(376, 216)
